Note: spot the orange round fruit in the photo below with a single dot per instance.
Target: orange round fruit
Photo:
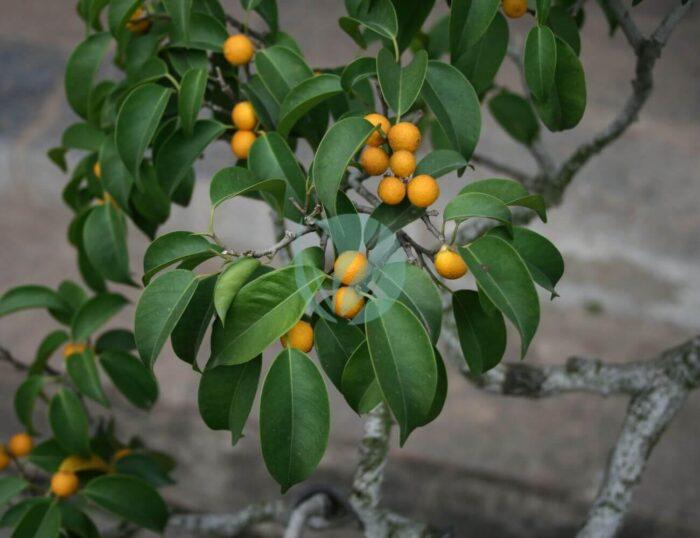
(374, 161)
(423, 190)
(377, 137)
(72, 348)
(514, 8)
(97, 169)
(20, 445)
(243, 116)
(391, 190)
(347, 303)
(351, 267)
(138, 23)
(64, 484)
(300, 337)
(75, 463)
(4, 458)
(402, 163)
(449, 264)
(404, 135)
(241, 141)
(238, 49)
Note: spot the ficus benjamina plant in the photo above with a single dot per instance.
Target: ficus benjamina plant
(365, 301)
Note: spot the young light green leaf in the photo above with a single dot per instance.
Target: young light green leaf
(478, 205)
(159, 309)
(335, 341)
(235, 181)
(482, 334)
(25, 398)
(294, 418)
(192, 87)
(305, 96)
(136, 382)
(403, 361)
(540, 60)
(95, 313)
(230, 281)
(31, 296)
(175, 247)
(511, 193)
(401, 86)
(69, 422)
(506, 281)
(469, 20)
(81, 69)
(439, 162)
(104, 241)
(82, 370)
(515, 115)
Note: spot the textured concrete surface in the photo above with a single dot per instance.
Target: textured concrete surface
(488, 466)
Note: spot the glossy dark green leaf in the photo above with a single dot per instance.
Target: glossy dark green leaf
(119, 13)
(357, 70)
(25, 398)
(543, 7)
(335, 341)
(144, 466)
(280, 69)
(377, 15)
(386, 219)
(478, 205)
(352, 28)
(104, 241)
(403, 360)
(159, 309)
(505, 279)
(262, 311)
(82, 136)
(410, 14)
(540, 60)
(180, 13)
(440, 390)
(131, 377)
(515, 115)
(226, 395)
(192, 87)
(47, 455)
(82, 371)
(454, 102)
(41, 521)
(401, 86)
(115, 177)
(339, 145)
(175, 247)
(294, 418)
(137, 122)
(482, 334)
(440, 162)
(510, 193)
(231, 279)
(69, 422)
(57, 156)
(345, 228)
(119, 339)
(95, 313)
(312, 256)
(206, 32)
(30, 296)
(564, 26)
(81, 69)
(359, 384)
(9, 487)
(129, 498)
(469, 20)
(305, 96)
(74, 520)
(235, 181)
(47, 347)
(182, 60)
(266, 107)
(188, 334)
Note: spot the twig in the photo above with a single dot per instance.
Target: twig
(229, 524)
(498, 166)
(6, 356)
(225, 87)
(238, 25)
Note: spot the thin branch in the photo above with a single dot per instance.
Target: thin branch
(259, 37)
(6, 356)
(269, 252)
(500, 167)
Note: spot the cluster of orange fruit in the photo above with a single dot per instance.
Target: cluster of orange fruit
(404, 138)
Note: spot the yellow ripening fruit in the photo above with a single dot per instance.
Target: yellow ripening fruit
(402, 163)
(347, 303)
(241, 142)
(404, 135)
(514, 8)
(20, 445)
(423, 190)
(73, 348)
(449, 264)
(238, 49)
(391, 190)
(74, 464)
(377, 137)
(97, 169)
(300, 337)
(243, 116)
(374, 161)
(4, 458)
(121, 453)
(64, 484)
(138, 23)
(351, 267)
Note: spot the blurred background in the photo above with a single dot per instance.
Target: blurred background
(629, 229)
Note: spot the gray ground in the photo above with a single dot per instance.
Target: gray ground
(488, 466)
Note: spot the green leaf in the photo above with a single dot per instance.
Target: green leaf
(137, 122)
(262, 311)
(356, 71)
(401, 86)
(352, 28)
(543, 259)
(280, 69)
(387, 219)
(510, 193)
(226, 395)
(294, 418)
(74, 520)
(57, 156)
(129, 498)
(15, 513)
(189, 332)
(119, 13)
(411, 14)
(481, 61)
(377, 15)
(403, 361)
(440, 391)
(564, 26)
(175, 247)
(305, 96)
(413, 287)
(69, 422)
(159, 309)
(47, 455)
(180, 151)
(515, 115)
(313, 256)
(506, 281)
(345, 228)
(454, 102)
(566, 103)
(82, 136)
(543, 7)
(82, 370)
(40, 521)
(206, 32)
(120, 339)
(482, 334)
(235, 181)
(81, 69)
(131, 377)
(25, 398)
(339, 145)
(31, 296)
(9, 487)
(104, 241)
(95, 313)
(192, 87)
(230, 281)
(469, 20)
(359, 384)
(180, 13)
(478, 205)
(540, 60)
(264, 103)
(440, 162)
(115, 177)
(47, 347)
(335, 341)
(147, 467)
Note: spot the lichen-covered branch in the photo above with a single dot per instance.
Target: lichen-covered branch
(229, 524)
